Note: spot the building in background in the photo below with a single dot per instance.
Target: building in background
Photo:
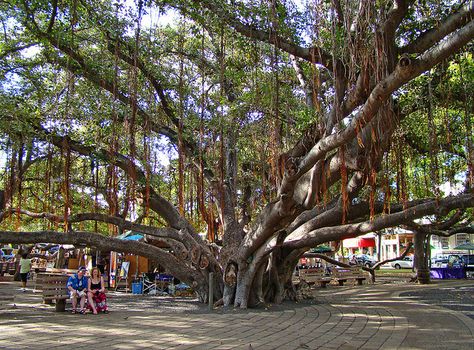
(393, 242)
(448, 245)
(361, 245)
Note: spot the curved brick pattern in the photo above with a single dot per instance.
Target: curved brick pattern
(362, 317)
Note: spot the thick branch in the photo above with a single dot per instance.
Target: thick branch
(157, 203)
(82, 68)
(462, 229)
(40, 215)
(434, 35)
(90, 239)
(378, 96)
(164, 232)
(433, 230)
(334, 233)
(313, 55)
(115, 49)
(54, 3)
(8, 49)
(450, 222)
(395, 17)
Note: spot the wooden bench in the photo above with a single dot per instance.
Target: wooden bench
(341, 275)
(3, 268)
(312, 276)
(13, 267)
(53, 286)
(8, 267)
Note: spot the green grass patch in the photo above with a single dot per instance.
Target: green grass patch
(392, 271)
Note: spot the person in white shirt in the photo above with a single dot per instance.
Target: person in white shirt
(25, 267)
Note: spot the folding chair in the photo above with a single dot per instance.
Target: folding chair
(149, 286)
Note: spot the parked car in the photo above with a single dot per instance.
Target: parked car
(363, 260)
(405, 263)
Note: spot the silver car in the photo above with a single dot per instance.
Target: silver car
(405, 263)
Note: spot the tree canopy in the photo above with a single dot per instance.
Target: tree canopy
(234, 134)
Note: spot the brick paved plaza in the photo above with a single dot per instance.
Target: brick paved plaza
(352, 317)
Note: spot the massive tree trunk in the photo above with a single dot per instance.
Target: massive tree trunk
(333, 180)
(421, 262)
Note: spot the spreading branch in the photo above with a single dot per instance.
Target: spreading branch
(313, 54)
(451, 24)
(103, 243)
(326, 234)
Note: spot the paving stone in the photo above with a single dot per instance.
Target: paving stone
(340, 319)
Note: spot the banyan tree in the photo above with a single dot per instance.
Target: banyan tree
(237, 134)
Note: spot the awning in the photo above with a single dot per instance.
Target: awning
(359, 242)
(465, 246)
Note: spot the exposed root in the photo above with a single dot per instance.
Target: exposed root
(219, 302)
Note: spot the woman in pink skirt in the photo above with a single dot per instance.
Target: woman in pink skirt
(96, 292)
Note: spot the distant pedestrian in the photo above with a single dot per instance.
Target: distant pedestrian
(353, 260)
(25, 267)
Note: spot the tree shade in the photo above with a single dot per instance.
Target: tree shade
(283, 127)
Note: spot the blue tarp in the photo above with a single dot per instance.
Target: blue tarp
(133, 238)
(130, 236)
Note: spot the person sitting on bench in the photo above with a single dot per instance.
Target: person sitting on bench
(77, 287)
(96, 295)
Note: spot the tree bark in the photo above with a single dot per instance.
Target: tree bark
(421, 259)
